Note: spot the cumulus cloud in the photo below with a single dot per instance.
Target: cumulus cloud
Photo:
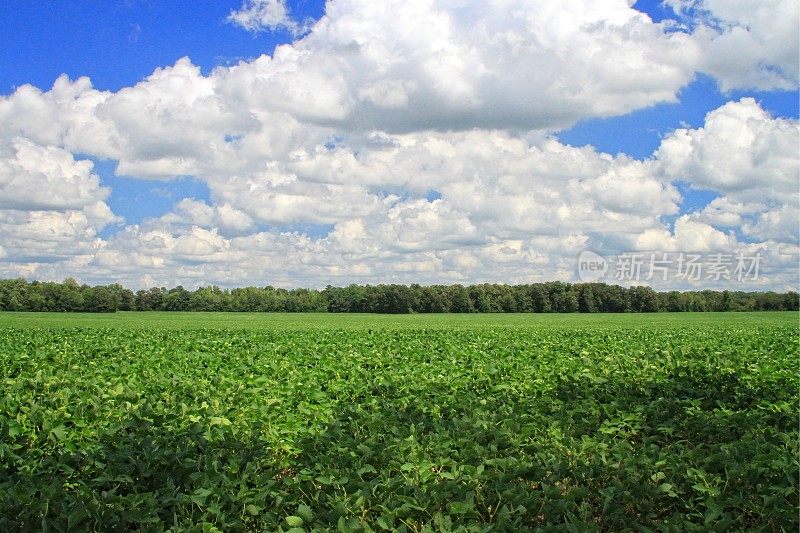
(778, 224)
(259, 15)
(740, 148)
(391, 66)
(189, 212)
(418, 138)
(45, 177)
(747, 44)
(66, 116)
(52, 206)
(49, 236)
(689, 235)
(506, 208)
(750, 158)
(402, 66)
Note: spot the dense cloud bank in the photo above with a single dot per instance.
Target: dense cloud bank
(414, 142)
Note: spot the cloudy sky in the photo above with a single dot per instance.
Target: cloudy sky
(306, 143)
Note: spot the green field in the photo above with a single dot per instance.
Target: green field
(270, 422)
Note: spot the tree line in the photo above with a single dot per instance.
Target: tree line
(551, 297)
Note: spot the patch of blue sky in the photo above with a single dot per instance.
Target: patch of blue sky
(121, 42)
(404, 195)
(693, 200)
(136, 200)
(433, 195)
(656, 9)
(639, 133)
(313, 231)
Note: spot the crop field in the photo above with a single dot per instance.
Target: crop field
(263, 422)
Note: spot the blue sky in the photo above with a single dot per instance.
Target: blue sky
(118, 44)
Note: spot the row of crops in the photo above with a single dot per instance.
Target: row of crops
(685, 425)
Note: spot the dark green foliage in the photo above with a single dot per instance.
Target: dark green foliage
(19, 295)
(558, 297)
(431, 424)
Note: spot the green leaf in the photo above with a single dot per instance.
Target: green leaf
(253, 509)
(305, 512)
(668, 488)
(219, 421)
(59, 432)
(294, 521)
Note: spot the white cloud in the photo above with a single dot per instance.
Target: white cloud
(750, 158)
(421, 132)
(259, 15)
(173, 123)
(514, 208)
(726, 212)
(52, 207)
(390, 66)
(45, 177)
(747, 44)
(403, 66)
(196, 213)
(419, 225)
(689, 235)
(64, 116)
(778, 224)
(740, 149)
(48, 236)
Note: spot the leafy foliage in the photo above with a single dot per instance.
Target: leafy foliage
(553, 297)
(368, 425)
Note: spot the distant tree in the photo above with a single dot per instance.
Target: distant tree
(18, 294)
(673, 301)
(176, 299)
(12, 294)
(207, 299)
(540, 299)
(643, 300)
(586, 300)
(459, 299)
(34, 298)
(480, 301)
(394, 299)
(336, 298)
(791, 301)
(612, 298)
(505, 300)
(305, 301)
(72, 300)
(696, 301)
(125, 297)
(100, 300)
(149, 300)
(433, 299)
(14, 304)
(565, 300)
